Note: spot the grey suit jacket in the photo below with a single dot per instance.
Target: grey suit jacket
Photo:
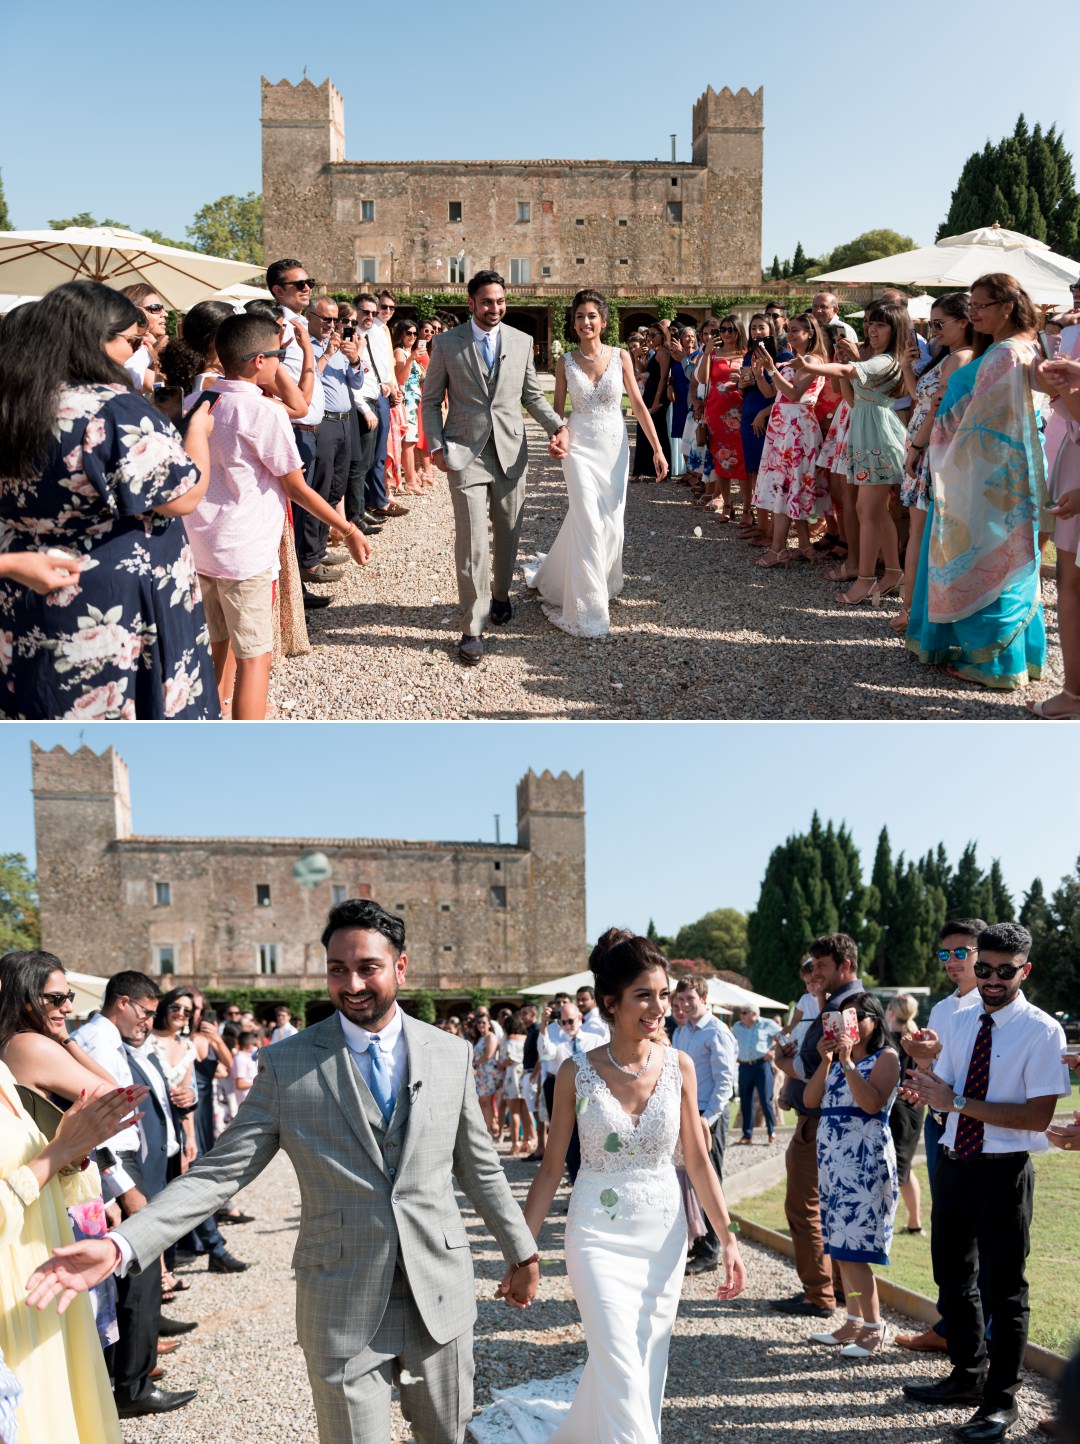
(356, 1216)
(479, 406)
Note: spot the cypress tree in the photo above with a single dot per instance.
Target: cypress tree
(969, 889)
(1055, 976)
(5, 215)
(774, 269)
(798, 263)
(1003, 906)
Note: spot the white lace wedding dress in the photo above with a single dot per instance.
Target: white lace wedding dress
(625, 1251)
(583, 569)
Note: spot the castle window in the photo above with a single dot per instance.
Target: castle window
(365, 269)
(674, 180)
(579, 260)
(457, 270)
(262, 894)
(399, 907)
(579, 222)
(624, 260)
(545, 270)
(674, 210)
(498, 897)
(367, 210)
(498, 867)
(524, 210)
(520, 273)
(338, 894)
(163, 894)
(165, 959)
(268, 958)
(448, 947)
(444, 907)
(453, 211)
(623, 221)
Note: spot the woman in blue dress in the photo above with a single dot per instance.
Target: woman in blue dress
(93, 473)
(855, 1086)
(977, 606)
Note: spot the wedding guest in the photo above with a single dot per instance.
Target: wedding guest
(757, 404)
(410, 376)
(654, 395)
(368, 494)
(826, 312)
(144, 364)
(754, 1043)
(976, 609)
(292, 288)
(592, 1020)
(719, 370)
(340, 369)
(511, 1066)
(1064, 488)
(118, 514)
(997, 1080)
(485, 1071)
(854, 1087)
(905, 1117)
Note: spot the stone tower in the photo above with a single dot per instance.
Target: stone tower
(82, 808)
(303, 132)
(551, 827)
(728, 142)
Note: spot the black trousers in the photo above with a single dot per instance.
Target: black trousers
(708, 1246)
(573, 1152)
(367, 477)
(328, 475)
(138, 1314)
(981, 1225)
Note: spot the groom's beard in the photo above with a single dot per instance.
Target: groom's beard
(369, 1013)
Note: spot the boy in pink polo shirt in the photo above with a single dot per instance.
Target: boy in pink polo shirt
(235, 530)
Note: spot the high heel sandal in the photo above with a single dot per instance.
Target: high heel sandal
(880, 591)
(845, 1334)
(780, 559)
(899, 623)
(867, 596)
(870, 1340)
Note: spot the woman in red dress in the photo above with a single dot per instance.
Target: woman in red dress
(719, 367)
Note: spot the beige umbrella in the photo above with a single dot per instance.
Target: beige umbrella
(33, 262)
(241, 293)
(89, 991)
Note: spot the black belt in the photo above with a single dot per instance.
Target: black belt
(336, 415)
(954, 1157)
(749, 1062)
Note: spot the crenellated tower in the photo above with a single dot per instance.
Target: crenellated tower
(728, 141)
(303, 133)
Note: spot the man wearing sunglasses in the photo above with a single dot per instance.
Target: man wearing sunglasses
(291, 286)
(997, 1079)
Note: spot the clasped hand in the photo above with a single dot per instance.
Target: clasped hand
(1066, 1135)
(924, 1086)
(559, 444)
(518, 1286)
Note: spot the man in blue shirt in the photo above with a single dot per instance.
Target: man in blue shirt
(709, 1044)
(754, 1037)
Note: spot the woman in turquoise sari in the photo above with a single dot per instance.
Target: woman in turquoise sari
(977, 606)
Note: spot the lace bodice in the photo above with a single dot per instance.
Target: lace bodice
(612, 1141)
(600, 405)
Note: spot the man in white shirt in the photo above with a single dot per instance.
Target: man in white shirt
(826, 312)
(997, 1079)
(591, 1021)
(283, 1026)
(366, 495)
(573, 1043)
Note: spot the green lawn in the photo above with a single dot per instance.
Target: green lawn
(1053, 1267)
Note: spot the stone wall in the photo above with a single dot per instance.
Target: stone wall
(477, 915)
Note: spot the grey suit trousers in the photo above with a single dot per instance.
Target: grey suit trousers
(352, 1396)
(483, 489)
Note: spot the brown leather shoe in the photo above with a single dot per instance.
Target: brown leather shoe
(158, 1373)
(321, 574)
(925, 1343)
(392, 508)
(167, 1346)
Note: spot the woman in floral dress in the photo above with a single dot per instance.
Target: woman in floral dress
(93, 472)
(719, 370)
(855, 1086)
(410, 377)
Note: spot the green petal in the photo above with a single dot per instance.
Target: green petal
(612, 1143)
(609, 1198)
(580, 1106)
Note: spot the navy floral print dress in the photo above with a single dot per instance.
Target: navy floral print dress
(130, 640)
(857, 1181)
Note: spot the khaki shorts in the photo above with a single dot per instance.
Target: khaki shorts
(241, 612)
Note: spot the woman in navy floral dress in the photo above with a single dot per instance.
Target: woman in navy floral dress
(855, 1086)
(93, 472)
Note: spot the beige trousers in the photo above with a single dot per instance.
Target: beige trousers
(480, 493)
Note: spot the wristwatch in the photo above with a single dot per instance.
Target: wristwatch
(959, 1103)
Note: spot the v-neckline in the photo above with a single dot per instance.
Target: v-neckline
(592, 383)
(635, 1119)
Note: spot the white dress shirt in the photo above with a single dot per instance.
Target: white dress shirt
(565, 1050)
(293, 361)
(285, 1031)
(391, 1039)
(1025, 1063)
(942, 1013)
(546, 1045)
(592, 1022)
(101, 1039)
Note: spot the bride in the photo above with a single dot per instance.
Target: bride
(625, 1231)
(584, 567)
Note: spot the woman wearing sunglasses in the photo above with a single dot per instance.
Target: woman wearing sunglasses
(35, 1004)
(170, 1039)
(94, 473)
(145, 363)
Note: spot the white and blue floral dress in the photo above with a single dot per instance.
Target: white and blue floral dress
(130, 639)
(856, 1172)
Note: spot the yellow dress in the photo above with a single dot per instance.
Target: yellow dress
(57, 1359)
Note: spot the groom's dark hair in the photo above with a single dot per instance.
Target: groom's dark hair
(361, 912)
(485, 278)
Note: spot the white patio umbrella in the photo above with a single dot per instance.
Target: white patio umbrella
(241, 293)
(918, 308)
(9, 303)
(89, 991)
(568, 983)
(36, 261)
(957, 261)
(730, 995)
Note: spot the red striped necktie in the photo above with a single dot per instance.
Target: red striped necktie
(969, 1131)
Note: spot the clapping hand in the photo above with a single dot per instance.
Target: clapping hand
(926, 1087)
(1066, 1135)
(734, 1271)
(922, 1047)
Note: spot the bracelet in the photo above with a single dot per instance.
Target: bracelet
(345, 535)
(525, 1262)
(79, 1166)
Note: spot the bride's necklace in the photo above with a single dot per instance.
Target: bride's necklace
(592, 360)
(631, 1072)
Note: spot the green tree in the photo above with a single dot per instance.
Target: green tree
(883, 881)
(1055, 975)
(785, 270)
(799, 262)
(1002, 905)
(719, 937)
(774, 269)
(85, 219)
(20, 923)
(5, 214)
(1026, 183)
(870, 246)
(231, 227)
(1035, 916)
(969, 892)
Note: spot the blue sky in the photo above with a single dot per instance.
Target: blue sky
(870, 111)
(680, 817)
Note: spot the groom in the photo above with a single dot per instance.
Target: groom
(378, 1113)
(485, 372)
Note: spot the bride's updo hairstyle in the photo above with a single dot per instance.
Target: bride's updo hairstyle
(583, 298)
(617, 960)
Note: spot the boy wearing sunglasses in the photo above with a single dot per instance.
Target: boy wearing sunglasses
(997, 1080)
(235, 531)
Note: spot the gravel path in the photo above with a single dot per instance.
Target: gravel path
(698, 632)
(738, 1371)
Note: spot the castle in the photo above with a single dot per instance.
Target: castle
(221, 910)
(630, 228)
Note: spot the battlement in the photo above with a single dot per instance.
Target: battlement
(83, 776)
(734, 109)
(728, 128)
(547, 793)
(309, 106)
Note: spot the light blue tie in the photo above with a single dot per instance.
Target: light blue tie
(489, 352)
(576, 1050)
(380, 1077)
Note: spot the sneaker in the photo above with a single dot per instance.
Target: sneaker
(321, 573)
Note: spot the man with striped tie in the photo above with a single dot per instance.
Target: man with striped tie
(997, 1081)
